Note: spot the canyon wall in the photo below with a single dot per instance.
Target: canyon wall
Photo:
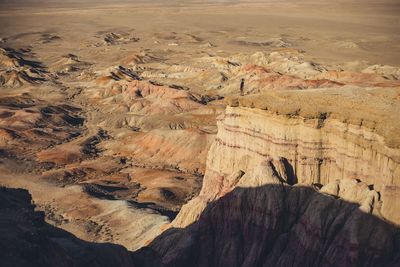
(280, 225)
(296, 179)
(311, 145)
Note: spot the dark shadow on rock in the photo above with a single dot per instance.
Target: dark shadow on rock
(291, 176)
(272, 225)
(156, 208)
(279, 225)
(27, 240)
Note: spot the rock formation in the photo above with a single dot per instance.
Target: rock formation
(315, 142)
(265, 222)
(16, 71)
(234, 133)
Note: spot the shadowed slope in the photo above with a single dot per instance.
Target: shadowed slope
(27, 240)
(280, 225)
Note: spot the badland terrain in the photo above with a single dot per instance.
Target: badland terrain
(200, 133)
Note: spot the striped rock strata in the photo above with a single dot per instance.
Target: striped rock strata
(343, 146)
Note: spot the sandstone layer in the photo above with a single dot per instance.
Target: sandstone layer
(315, 142)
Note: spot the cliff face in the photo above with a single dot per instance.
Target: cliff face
(317, 145)
(280, 225)
(296, 179)
(303, 152)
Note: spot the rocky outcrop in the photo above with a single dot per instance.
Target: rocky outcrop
(28, 123)
(16, 71)
(264, 222)
(319, 142)
(183, 150)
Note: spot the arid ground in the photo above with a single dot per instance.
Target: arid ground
(112, 114)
